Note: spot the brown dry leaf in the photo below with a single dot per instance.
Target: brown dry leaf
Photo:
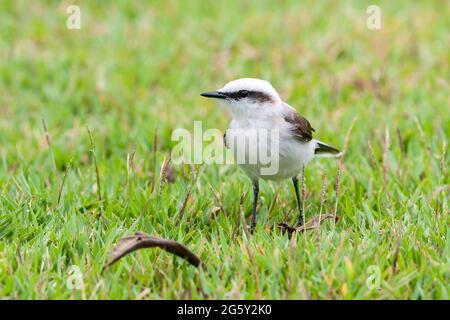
(313, 223)
(170, 174)
(141, 240)
(214, 211)
(167, 172)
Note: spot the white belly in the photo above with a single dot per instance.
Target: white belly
(283, 156)
(293, 156)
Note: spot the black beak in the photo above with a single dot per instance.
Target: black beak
(214, 94)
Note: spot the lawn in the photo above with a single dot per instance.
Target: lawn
(86, 123)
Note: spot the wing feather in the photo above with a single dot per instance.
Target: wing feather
(300, 127)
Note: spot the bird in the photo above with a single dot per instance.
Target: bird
(255, 106)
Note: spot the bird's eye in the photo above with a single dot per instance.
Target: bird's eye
(243, 93)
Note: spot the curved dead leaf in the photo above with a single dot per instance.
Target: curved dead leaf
(141, 240)
(313, 223)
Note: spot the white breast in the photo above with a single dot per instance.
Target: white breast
(286, 154)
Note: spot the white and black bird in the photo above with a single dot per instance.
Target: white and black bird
(254, 105)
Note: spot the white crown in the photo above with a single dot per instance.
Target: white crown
(251, 84)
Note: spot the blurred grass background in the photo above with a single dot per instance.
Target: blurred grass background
(137, 67)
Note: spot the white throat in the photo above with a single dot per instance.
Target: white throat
(248, 111)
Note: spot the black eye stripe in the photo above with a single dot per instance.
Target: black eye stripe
(253, 95)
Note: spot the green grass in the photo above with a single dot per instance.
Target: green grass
(134, 68)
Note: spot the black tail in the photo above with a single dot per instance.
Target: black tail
(325, 150)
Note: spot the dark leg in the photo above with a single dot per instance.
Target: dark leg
(255, 201)
(301, 218)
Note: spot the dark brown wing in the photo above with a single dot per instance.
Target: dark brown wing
(301, 127)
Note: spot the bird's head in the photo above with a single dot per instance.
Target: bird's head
(246, 97)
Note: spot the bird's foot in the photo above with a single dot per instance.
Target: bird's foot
(252, 228)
